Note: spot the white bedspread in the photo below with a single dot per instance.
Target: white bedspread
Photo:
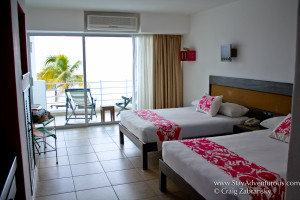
(193, 124)
(253, 146)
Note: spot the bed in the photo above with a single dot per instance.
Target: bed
(191, 122)
(191, 170)
(241, 91)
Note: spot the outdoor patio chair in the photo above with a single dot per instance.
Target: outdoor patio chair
(75, 100)
(124, 104)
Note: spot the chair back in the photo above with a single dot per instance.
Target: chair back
(126, 100)
(76, 97)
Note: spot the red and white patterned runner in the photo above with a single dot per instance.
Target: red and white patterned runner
(167, 130)
(252, 175)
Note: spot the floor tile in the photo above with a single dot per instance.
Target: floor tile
(153, 198)
(76, 143)
(153, 162)
(59, 131)
(173, 196)
(98, 135)
(110, 127)
(105, 147)
(80, 150)
(113, 133)
(136, 161)
(132, 152)
(115, 165)
(51, 162)
(149, 173)
(80, 136)
(110, 155)
(59, 144)
(65, 196)
(83, 158)
(54, 172)
(75, 130)
(138, 190)
(171, 187)
(116, 138)
(56, 186)
(101, 140)
(60, 152)
(86, 168)
(124, 176)
(97, 129)
(91, 181)
(105, 193)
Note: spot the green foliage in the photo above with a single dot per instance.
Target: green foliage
(57, 69)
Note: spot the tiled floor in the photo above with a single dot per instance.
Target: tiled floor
(93, 165)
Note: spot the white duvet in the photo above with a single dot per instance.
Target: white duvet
(254, 146)
(193, 124)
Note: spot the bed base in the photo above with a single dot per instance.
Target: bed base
(165, 171)
(144, 147)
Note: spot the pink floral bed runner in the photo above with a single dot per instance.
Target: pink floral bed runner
(256, 178)
(167, 130)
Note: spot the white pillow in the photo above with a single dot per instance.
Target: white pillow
(273, 122)
(233, 110)
(209, 104)
(195, 102)
(283, 131)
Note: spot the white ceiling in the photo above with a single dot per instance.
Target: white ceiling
(156, 6)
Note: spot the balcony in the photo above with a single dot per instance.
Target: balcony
(106, 93)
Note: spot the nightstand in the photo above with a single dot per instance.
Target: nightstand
(243, 128)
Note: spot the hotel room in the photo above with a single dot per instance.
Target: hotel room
(112, 160)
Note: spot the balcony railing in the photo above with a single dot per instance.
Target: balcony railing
(105, 92)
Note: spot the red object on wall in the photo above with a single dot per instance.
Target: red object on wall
(187, 55)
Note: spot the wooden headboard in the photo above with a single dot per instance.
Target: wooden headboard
(273, 97)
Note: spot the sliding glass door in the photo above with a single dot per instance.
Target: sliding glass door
(108, 73)
(60, 65)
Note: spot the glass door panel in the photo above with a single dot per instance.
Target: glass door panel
(108, 72)
(56, 65)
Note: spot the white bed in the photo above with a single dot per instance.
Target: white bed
(193, 124)
(253, 146)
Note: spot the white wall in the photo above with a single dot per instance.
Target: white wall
(40, 19)
(164, 23)
(264, 33)
(62, 20)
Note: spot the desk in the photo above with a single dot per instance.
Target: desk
(112, 112)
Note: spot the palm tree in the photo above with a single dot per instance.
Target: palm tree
(57, 69)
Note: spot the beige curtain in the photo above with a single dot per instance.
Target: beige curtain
(167, 71)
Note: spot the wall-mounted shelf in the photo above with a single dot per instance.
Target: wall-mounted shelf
(187, 55)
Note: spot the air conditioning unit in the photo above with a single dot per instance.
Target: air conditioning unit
(111, 22)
